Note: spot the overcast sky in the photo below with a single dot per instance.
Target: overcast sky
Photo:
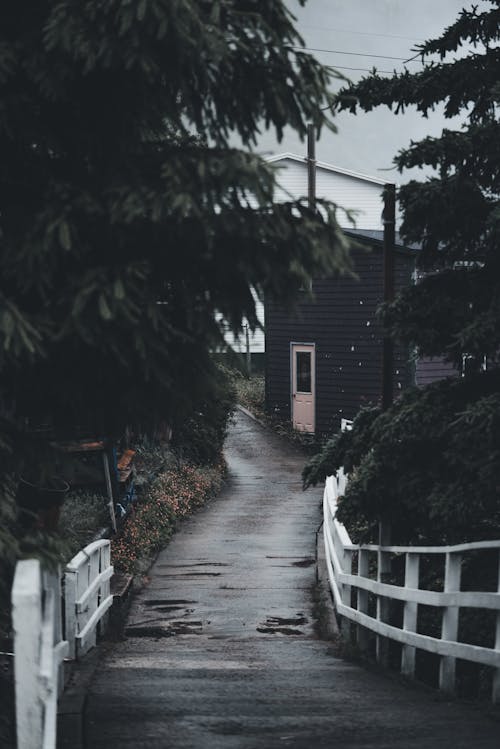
(367, 142)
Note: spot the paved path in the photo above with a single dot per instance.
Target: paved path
(221, 651)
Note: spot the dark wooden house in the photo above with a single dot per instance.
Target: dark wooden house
(325, 362)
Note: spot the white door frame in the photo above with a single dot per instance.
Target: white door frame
(312, 347)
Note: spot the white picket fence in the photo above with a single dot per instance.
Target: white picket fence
(39, 647)
(351, 595)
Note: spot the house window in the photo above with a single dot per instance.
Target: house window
(304, 379)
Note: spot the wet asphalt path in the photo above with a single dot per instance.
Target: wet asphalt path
(221, 651)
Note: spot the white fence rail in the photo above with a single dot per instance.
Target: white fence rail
(87, 596)
(39, 650)
(351, 595)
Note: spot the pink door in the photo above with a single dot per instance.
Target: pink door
(303, 386)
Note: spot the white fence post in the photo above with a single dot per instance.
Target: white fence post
(39, 651)
(105, 594)
(27, 624)
(52, 582)
(93, 602)
(345, 626)
(383, 604)
(83, 614)
(363, 571)
(496, 673)
(70, 627)
(88, 597)
(449, 629)
(412, 569)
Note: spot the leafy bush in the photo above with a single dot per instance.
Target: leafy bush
(429, 464)
(173, 495)
(152, 456)
(82, 515)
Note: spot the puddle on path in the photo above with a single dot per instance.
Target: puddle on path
(167, 601)
(171, 629)
(194, 564)
(279, 625)
(291, 620)
(173, 609)
(279, 631)
(187, 574)
(305, 562)
(153, 632)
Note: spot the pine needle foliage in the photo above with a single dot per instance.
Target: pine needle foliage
(430, 464)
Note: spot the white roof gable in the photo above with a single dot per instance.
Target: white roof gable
(350, 190)
(328, 167)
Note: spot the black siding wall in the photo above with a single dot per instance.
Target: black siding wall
(341, 322)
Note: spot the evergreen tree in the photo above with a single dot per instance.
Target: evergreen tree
(128, 224)
(127, 221)
(431, 463)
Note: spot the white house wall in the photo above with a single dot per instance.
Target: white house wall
(256, 339)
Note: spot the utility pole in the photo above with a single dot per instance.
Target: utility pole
(389, 217)
(248, 353)
(311, 166)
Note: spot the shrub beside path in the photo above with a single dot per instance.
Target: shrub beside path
(221, 650)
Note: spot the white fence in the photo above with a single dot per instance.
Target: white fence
(38, 624)
(87, 596)
(351, 595)
(39, 650)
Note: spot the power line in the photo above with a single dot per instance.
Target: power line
(365, 33)
(355, 54)
(366, 70)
